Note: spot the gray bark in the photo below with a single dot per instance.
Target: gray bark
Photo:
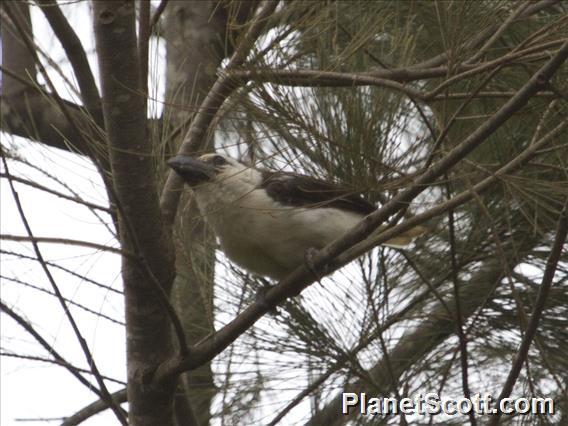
(197, 40)
(133, 174)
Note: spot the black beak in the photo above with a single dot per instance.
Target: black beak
(192, 170)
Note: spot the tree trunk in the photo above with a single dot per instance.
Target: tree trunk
(149, 339)
(196, 43)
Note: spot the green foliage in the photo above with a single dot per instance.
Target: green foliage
(375, 139)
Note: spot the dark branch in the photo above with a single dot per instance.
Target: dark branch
(304, 276)
(94, 408)
(68, 301)
(69, 271)
(50, 349)
(221, 90)
(69, 241)
(156, 16)
(77, 57)
(82, 342)
(75, 198)
(56, 362)
(543, 291)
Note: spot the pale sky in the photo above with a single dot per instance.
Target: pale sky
(31, 389)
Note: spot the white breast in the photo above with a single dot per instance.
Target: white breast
(264, 236)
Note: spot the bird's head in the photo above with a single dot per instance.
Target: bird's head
(205, 169)
(216, 179)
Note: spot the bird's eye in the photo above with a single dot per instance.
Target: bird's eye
(218, 160)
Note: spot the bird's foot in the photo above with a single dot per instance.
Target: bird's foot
(309, 256)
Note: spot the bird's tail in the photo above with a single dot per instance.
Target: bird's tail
(402, 240)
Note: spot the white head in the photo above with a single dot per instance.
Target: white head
(216, 178)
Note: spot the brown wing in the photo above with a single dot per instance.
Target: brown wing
(304, 191)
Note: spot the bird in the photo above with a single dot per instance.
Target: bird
(268, 221)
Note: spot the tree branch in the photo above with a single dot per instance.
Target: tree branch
(14, 57)
(77, 58)
(81, 127)
(458, 311)
(391, 79)
(156, 16)
(320, 78)
(497, 34)
(69, 241)
(68, 301)
(456, 201)
(61, 268)
(94, 408)
(324, 259)
(148, 280)
(56, 362)
(219, 92)
(75, 198)
(82, 342)
(19, 97)
(486, 34)
(57, 357)
(543, 291)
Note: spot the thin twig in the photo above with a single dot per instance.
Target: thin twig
(320, 78)
(59, 181)
(119, 413)
(156, 16)
(459, 317)
(485, 34)
(510, 19)
(50, 349)
(219, 92)
(303, 276)
(76, 199)
(415, 304)
(70, 302)
(144, 28)
(457, 200)
(499, 63)
(384, 349)
(76, 55)
(543, 290)
(56, 362)
(93, 408)
(62, 268)
(66, 241)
